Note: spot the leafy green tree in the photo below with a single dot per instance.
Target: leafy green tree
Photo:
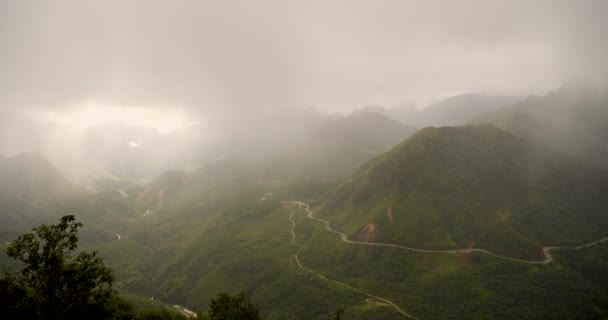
(227, 307)
(14, 300)
(338, 313)
(56, 283)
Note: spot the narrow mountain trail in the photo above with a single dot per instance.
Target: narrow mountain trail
(388, 302)
(546, 250)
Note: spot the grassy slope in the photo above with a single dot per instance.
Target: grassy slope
(455, 187)
(240, 244)
(466, 286)
(244, 244)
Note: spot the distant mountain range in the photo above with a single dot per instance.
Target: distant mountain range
(331, 151)
(452, 111)
(337, 148)
(572, 119)
(518, 179)
(115, 156)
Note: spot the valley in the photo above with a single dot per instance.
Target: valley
(469, 221)
(304, 160)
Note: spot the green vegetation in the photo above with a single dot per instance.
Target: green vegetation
(230, 245)
(54, 284)
(463, 286)
(188, 239)
(227, 307)
(472, 186)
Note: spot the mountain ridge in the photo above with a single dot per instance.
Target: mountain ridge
(430, 192)
(571, 119)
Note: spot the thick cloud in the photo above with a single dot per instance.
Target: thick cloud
(234, 56)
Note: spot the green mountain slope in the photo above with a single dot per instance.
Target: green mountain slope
(32, 192)
(231, 244)
(244, 243)
(465, 285)
(175, 190)
(226, 233)
(473, 186)
(162, 192)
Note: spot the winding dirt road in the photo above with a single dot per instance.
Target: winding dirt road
(546, 250)
(388, 302)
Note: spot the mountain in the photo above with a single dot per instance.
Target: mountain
(361, 131)
(161, 192)
(218, 179)
(452, 111)
(29, 185)
(337, 148)
(30, 176)
(459, 109)
(353, 140)
(33, 191)
(332, 150)
(226, 228)
(572, 119)
(457, 187)
(231, 233)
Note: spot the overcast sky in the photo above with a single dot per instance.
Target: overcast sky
(237, 56)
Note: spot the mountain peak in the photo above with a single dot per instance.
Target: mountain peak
(32, 163)
(447, 186)
(33, 176)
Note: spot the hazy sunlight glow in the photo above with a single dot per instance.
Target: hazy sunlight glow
(163, 119)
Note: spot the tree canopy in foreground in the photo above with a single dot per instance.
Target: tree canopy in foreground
(56, 282)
